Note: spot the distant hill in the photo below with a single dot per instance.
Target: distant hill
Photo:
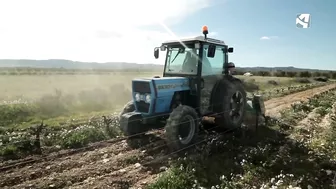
(68, 64)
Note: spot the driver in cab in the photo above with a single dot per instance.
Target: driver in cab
(190, 63)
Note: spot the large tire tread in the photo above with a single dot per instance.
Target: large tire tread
(172, 127)
(222, 99)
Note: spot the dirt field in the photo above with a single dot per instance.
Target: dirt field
(35, 86)
(113, 164)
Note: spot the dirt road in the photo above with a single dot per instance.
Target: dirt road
(275, 105)
(115, 165)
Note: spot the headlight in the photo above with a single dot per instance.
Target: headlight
(137, 97)
(147, 98)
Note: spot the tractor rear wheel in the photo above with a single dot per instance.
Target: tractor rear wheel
(230, 102)
(182, 127)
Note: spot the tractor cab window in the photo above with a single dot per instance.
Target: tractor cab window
(182, 60)
(214, 65)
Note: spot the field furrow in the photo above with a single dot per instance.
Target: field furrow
(326, 121)
(119, 152)
(75, 169)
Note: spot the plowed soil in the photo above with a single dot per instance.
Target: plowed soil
(115, 164)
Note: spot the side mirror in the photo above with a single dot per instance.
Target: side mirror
(211, 51)
(156, 52)
(230, 50)
(163, 48)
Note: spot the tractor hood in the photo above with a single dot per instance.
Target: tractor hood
(154, 95)
(170, 84)
(165, 85)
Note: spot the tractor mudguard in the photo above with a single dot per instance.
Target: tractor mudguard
(255, 112)
(258, 104)
(250, 108)
(130, 123)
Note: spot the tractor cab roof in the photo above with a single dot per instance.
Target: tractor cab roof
(196, 39)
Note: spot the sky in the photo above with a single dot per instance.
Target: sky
(262, 32)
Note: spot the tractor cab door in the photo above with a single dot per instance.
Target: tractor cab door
(212, 71)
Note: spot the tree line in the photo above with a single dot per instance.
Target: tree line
(281, 73)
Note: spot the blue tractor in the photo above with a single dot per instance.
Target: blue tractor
(196, 87)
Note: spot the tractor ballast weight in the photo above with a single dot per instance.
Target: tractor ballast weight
(197, 86)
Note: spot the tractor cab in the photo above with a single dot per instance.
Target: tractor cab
(201, 61)
(198, 56)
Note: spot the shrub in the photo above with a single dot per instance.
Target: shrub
(272, 82)
(9, 152)
(302, 80)
(250, 85)
(16, 113)
(177, 178)
(82, 136)
(321, 79)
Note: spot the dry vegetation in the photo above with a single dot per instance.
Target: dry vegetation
(292, 150)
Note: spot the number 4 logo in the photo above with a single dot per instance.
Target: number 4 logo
(303, 20)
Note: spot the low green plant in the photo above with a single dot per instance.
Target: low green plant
(82, 137)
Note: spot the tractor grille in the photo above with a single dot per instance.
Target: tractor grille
(142, 106)
(141, 87)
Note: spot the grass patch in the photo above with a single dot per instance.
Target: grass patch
(80, 137)
(178, 177)
(20, 143)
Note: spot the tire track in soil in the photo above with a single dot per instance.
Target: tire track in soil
(89, 170)
(311, 119)
(124, 178)
(306, 124)
(57, 165)
(117, 167)
(128, 176)
(314, 122)
(79, 160)
(275, 105)
(322, 124)
(326, 121)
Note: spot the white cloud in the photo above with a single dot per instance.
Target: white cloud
(87, 30)
(265, 38)
(268, 37)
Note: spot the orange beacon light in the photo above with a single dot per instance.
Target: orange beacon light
(205, 31)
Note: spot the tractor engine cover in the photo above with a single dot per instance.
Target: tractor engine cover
(154, 96)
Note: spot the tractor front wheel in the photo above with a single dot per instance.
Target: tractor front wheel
(182, 127)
